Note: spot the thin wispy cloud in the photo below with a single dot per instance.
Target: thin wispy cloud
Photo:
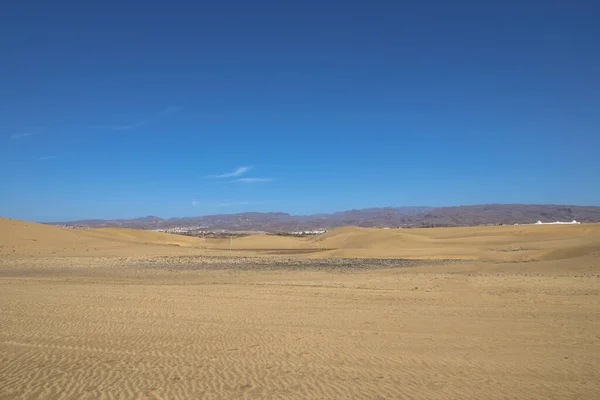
(254, 180)
(22, 135)
(46, 158)
(239, 172)
(195, 203)
(126, 127)
(234, 174)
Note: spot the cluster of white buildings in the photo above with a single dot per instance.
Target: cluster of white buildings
(314, 232)
(554, 223)
(73, 226)
(179, 229)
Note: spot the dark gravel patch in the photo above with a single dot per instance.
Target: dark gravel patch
(281, 263)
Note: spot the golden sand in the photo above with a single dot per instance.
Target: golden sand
(125, 314)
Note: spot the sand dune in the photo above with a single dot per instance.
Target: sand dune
(126, 314)
(136, 236)
(499, 243)
(265, 242)
(19, 238)
(509, 243)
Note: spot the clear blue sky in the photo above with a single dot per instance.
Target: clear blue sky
(116, 110)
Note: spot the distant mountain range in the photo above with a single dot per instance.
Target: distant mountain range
(390, 217)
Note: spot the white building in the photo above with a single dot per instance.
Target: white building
(557, 223)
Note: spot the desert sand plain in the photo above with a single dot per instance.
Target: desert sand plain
(451, 313)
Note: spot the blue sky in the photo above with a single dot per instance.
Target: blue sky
(114, 110)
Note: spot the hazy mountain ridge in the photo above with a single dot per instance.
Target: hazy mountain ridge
(391, 217)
